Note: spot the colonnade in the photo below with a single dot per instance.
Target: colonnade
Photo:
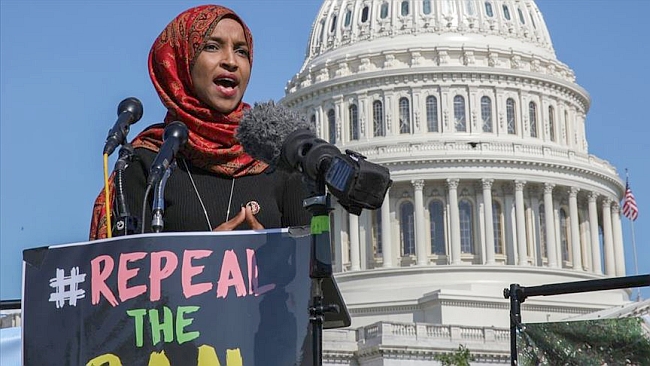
(584, 233)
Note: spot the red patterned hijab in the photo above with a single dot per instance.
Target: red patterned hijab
(212, 144)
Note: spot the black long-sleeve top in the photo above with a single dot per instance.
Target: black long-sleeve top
(279, 195)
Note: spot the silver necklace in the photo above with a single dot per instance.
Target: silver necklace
(205, 212)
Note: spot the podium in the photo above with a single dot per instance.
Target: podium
(229, 298)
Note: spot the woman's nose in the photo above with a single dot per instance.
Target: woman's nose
(228, 61)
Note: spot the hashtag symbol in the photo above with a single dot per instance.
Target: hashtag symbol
(66, 287)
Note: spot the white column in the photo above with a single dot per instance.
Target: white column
(575, 229)
(489, 221)
(510, 224)
(522, 249)
(420, 236)
(337, 234)
(617, 233)
(536, 234)
(596, 263)
(549, 217)
(366, 250)
(608, 238)
(452, 184)
(386, 240)
(355, 258)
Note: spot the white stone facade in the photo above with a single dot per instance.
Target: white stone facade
(483, 131)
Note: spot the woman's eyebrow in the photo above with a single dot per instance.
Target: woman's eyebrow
(222, 40)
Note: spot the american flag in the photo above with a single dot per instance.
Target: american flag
(630, 210)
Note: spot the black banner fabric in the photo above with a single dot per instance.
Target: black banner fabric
(205, 299)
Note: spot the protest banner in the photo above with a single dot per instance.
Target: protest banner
(205, 299)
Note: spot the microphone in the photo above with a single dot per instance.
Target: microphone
(158, 206)
(174, 137)
(129, 111)
(265, 127)
(284, 139)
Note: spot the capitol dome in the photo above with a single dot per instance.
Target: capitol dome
(483, 131)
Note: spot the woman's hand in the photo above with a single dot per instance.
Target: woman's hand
(245, 214)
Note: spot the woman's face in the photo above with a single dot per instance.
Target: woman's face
(222, 69)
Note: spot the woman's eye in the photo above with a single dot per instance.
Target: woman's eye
(243, 52)
(210, 47)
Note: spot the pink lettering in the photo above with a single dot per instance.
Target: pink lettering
(230, 276)
(124, 274)
(253, 276)
(98, 279)
(188, 271)
(158, 273)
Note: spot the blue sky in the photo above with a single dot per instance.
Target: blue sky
(65, 66)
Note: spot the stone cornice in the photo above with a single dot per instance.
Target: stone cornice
(370, 309)
(591, 171)
(440, 76)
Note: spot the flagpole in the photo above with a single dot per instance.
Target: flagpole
(636, 265)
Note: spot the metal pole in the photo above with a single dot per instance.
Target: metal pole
(636, 265)
(13, 304)
(585, 286)
(515, 318)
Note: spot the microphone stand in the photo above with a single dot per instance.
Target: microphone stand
(320, 268)
(126, 224)
(158, 207)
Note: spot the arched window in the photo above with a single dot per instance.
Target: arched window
(506, 12)
(383, 12)
(432, 113)
(364, 14)
(321, 34)
(376, 231)
(564, 235)
(542, 231)
(407, 228)
(532, 20)
(312, 119)
(551, 122)
(436, 217)
(488, 9)
(532, 116)
(354, 122)
(459, 114)
(348, 18)
(378, 118)
(511, 116)
(521, 16)
(331, 124)
(333, 25)
(466, 226)
(404, 8)
(426, 7)
(486, 113)
(404, 116)
(497, 223)
(566, 127)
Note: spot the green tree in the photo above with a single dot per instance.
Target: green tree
(460, 357)
(593, 342)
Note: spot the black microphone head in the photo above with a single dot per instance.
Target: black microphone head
(265, 127)
(177, 130)
(133, 106)
(129, 111)
(174, 137)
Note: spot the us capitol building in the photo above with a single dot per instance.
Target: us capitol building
(483, 130)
